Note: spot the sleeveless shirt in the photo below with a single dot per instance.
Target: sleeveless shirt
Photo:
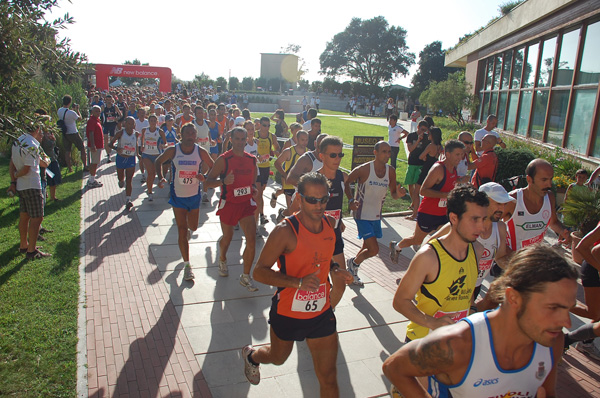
(485, 378)
(450, 293)
(312, 252)
(490, 247)
(524, 228)
(184, 169)
(128, 143)
(437, 206)
(202, 135)
(371, 194)
(289, 164)
(243, 170)
(264, 151)
(336, 198)
(151, 142)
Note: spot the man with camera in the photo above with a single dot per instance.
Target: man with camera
(70, 135)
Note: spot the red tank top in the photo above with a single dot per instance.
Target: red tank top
(437, 206)
(183, 121)
(243, 171)
(313, 251)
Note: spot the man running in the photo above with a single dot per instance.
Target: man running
(534, 210)
(111, 115)
(267, 143)
(151, 137)
(302, 246)
(524, 337)
(235, 171)
(187, 160)
(373, 179)
(126, 153)
(287, 160)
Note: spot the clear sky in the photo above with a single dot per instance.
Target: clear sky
(192, 37)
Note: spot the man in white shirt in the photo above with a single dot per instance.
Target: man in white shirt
(71, 137)
(395, 134)
(490, 125)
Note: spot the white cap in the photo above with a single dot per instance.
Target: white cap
(239, 121)
(496, 192)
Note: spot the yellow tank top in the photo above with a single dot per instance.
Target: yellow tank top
(288, 165)
(450, 293)
(264, 151)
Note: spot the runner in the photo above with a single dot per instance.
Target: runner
(235, 172)
(267, 144)
(286, 161)
(141, 124)
(150, 151)
(524, 337)
(214, 129)
(126, 153)
(302, 246)
(373, 179)
(111, 115)
(187, 160)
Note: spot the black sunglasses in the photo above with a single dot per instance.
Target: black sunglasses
(313, 201)
(265, 125)
(468, 142)
(339, 155)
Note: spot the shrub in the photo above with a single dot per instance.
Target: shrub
(512, 162)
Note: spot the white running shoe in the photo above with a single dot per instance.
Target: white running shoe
(188, 275)
(353, 269)
(223, 269)
(393, 252)
(246, 281)
(252, 372)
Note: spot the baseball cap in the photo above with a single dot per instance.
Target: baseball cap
(169, 117)
(239, 121)
(496, 192)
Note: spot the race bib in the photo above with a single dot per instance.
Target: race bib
(242, 191)
(484, 267)
(442, 202)
(336, 214)
(263, 158)
(202, 140)
(456, 316)
(187, 177)
(310, 302)
(111, 119)
(128, 150)
(151, 144)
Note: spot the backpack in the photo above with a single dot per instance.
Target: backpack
(60, 123)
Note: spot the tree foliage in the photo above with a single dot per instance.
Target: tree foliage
(292, 48)
(248, 84)
(234, 83)
(369, 51)
(31, 60)
(221, 83)
(431, 68)
(451, 96)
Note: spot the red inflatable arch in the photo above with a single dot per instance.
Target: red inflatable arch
(103, 71)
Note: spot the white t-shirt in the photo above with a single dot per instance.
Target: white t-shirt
(26, 152)
(139, 127)
(479, 134)
(202, 134)
(394, 135)
(70, 119)
(306, 126)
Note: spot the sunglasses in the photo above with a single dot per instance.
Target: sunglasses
(313, 201)
(468, 142)
(334, 155)
(265, 125)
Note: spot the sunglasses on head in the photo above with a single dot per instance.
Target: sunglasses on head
(313, 201)
(339, 155)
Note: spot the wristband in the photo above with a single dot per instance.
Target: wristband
(334, 266)
(300, 283)
(351, 200)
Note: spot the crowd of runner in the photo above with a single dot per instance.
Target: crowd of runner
(471, 225)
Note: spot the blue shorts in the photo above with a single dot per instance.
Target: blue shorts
(189, 203)
(151, 157)
(369, 229)
(214, 149)
(125, 162)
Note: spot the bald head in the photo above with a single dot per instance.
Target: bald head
(381, 145)
(488, 142)
(465, 136)
(535, 165)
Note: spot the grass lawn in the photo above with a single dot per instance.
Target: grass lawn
(346, 130)
(38, 299)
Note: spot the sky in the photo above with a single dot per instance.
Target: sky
(226, 38)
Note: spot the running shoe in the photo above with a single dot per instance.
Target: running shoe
(205, 199)
(252, 372)
(188, 275)
(353, 269)
(588, 349)
(143, 181)
(94, 184)
(263, 219)
(45, 230)
(150, 197)
(34, 255)
(246, 281)
(121, 184)
(273, 202)
(393, 252)
(129, 205)
(223, 269)
(280, 215)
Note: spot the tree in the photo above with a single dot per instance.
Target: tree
(295, 49)
(247, 83)
(316, 86)
(274, 84)
(431, 68)
(451, 96)
(261, 82)
(369, 51)
(203, 80)
(234, 83)
(221, 83)
(32, 61)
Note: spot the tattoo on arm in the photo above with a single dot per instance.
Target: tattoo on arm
(430, 356)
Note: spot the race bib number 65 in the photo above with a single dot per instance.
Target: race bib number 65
(310, 302)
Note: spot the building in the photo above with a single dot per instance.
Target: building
(279, 66)
(537, 68)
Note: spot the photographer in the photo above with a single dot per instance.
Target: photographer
(71, 136)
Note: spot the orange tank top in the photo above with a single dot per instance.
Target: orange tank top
(183, 120)
(313, 251)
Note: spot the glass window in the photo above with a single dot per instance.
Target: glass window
(506, 69)
(566, 60)
(517, 68)
(493, 103)
(596, 150)
(511, 118)
(497, 72)
(589, 70)
(524, 109)
(557, 116)
(484, 107)
(502, 109)
(540, 103)
(488, 73)
(530, 66)
(547, 62)
(581, 120)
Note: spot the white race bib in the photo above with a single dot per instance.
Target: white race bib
(305, 301)
(111, 119)
(187, 177)
(336, 214)
(128, 150)
(442, 202)
(151, 144)
(242, 191)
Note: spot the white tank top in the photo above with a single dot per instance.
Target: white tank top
(317, 164)
(485, 378)
(525, 229)
(151, 142)
(128, 143)
(490, 247)
(202, 135)
(251, 149)
(184, 171)
(462, 168)
(371, 194)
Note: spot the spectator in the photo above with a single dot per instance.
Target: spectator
(486, 166)
(50, 148)
(71, 137)
(581, 177)
(95, 142)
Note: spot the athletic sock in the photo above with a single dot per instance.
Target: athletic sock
(354, 263)
(250, 359)
(583, 333)
(128, 198)
(186, 263)
(92, 179)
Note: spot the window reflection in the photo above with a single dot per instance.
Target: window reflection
(557, 116)
(488, 73)
(566, 60)
(501, 110)
(506, 69)
(530, 66)
(539, 114)
(511, 117)
(524, 110)
(517, 68)
(589, 71)
(581, 120)
(547, 63)
(497, 72)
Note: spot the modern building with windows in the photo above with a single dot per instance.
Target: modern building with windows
(537, 68)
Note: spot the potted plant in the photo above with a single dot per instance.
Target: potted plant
(581, 211)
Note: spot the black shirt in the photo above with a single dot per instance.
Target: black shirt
(413, 157)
